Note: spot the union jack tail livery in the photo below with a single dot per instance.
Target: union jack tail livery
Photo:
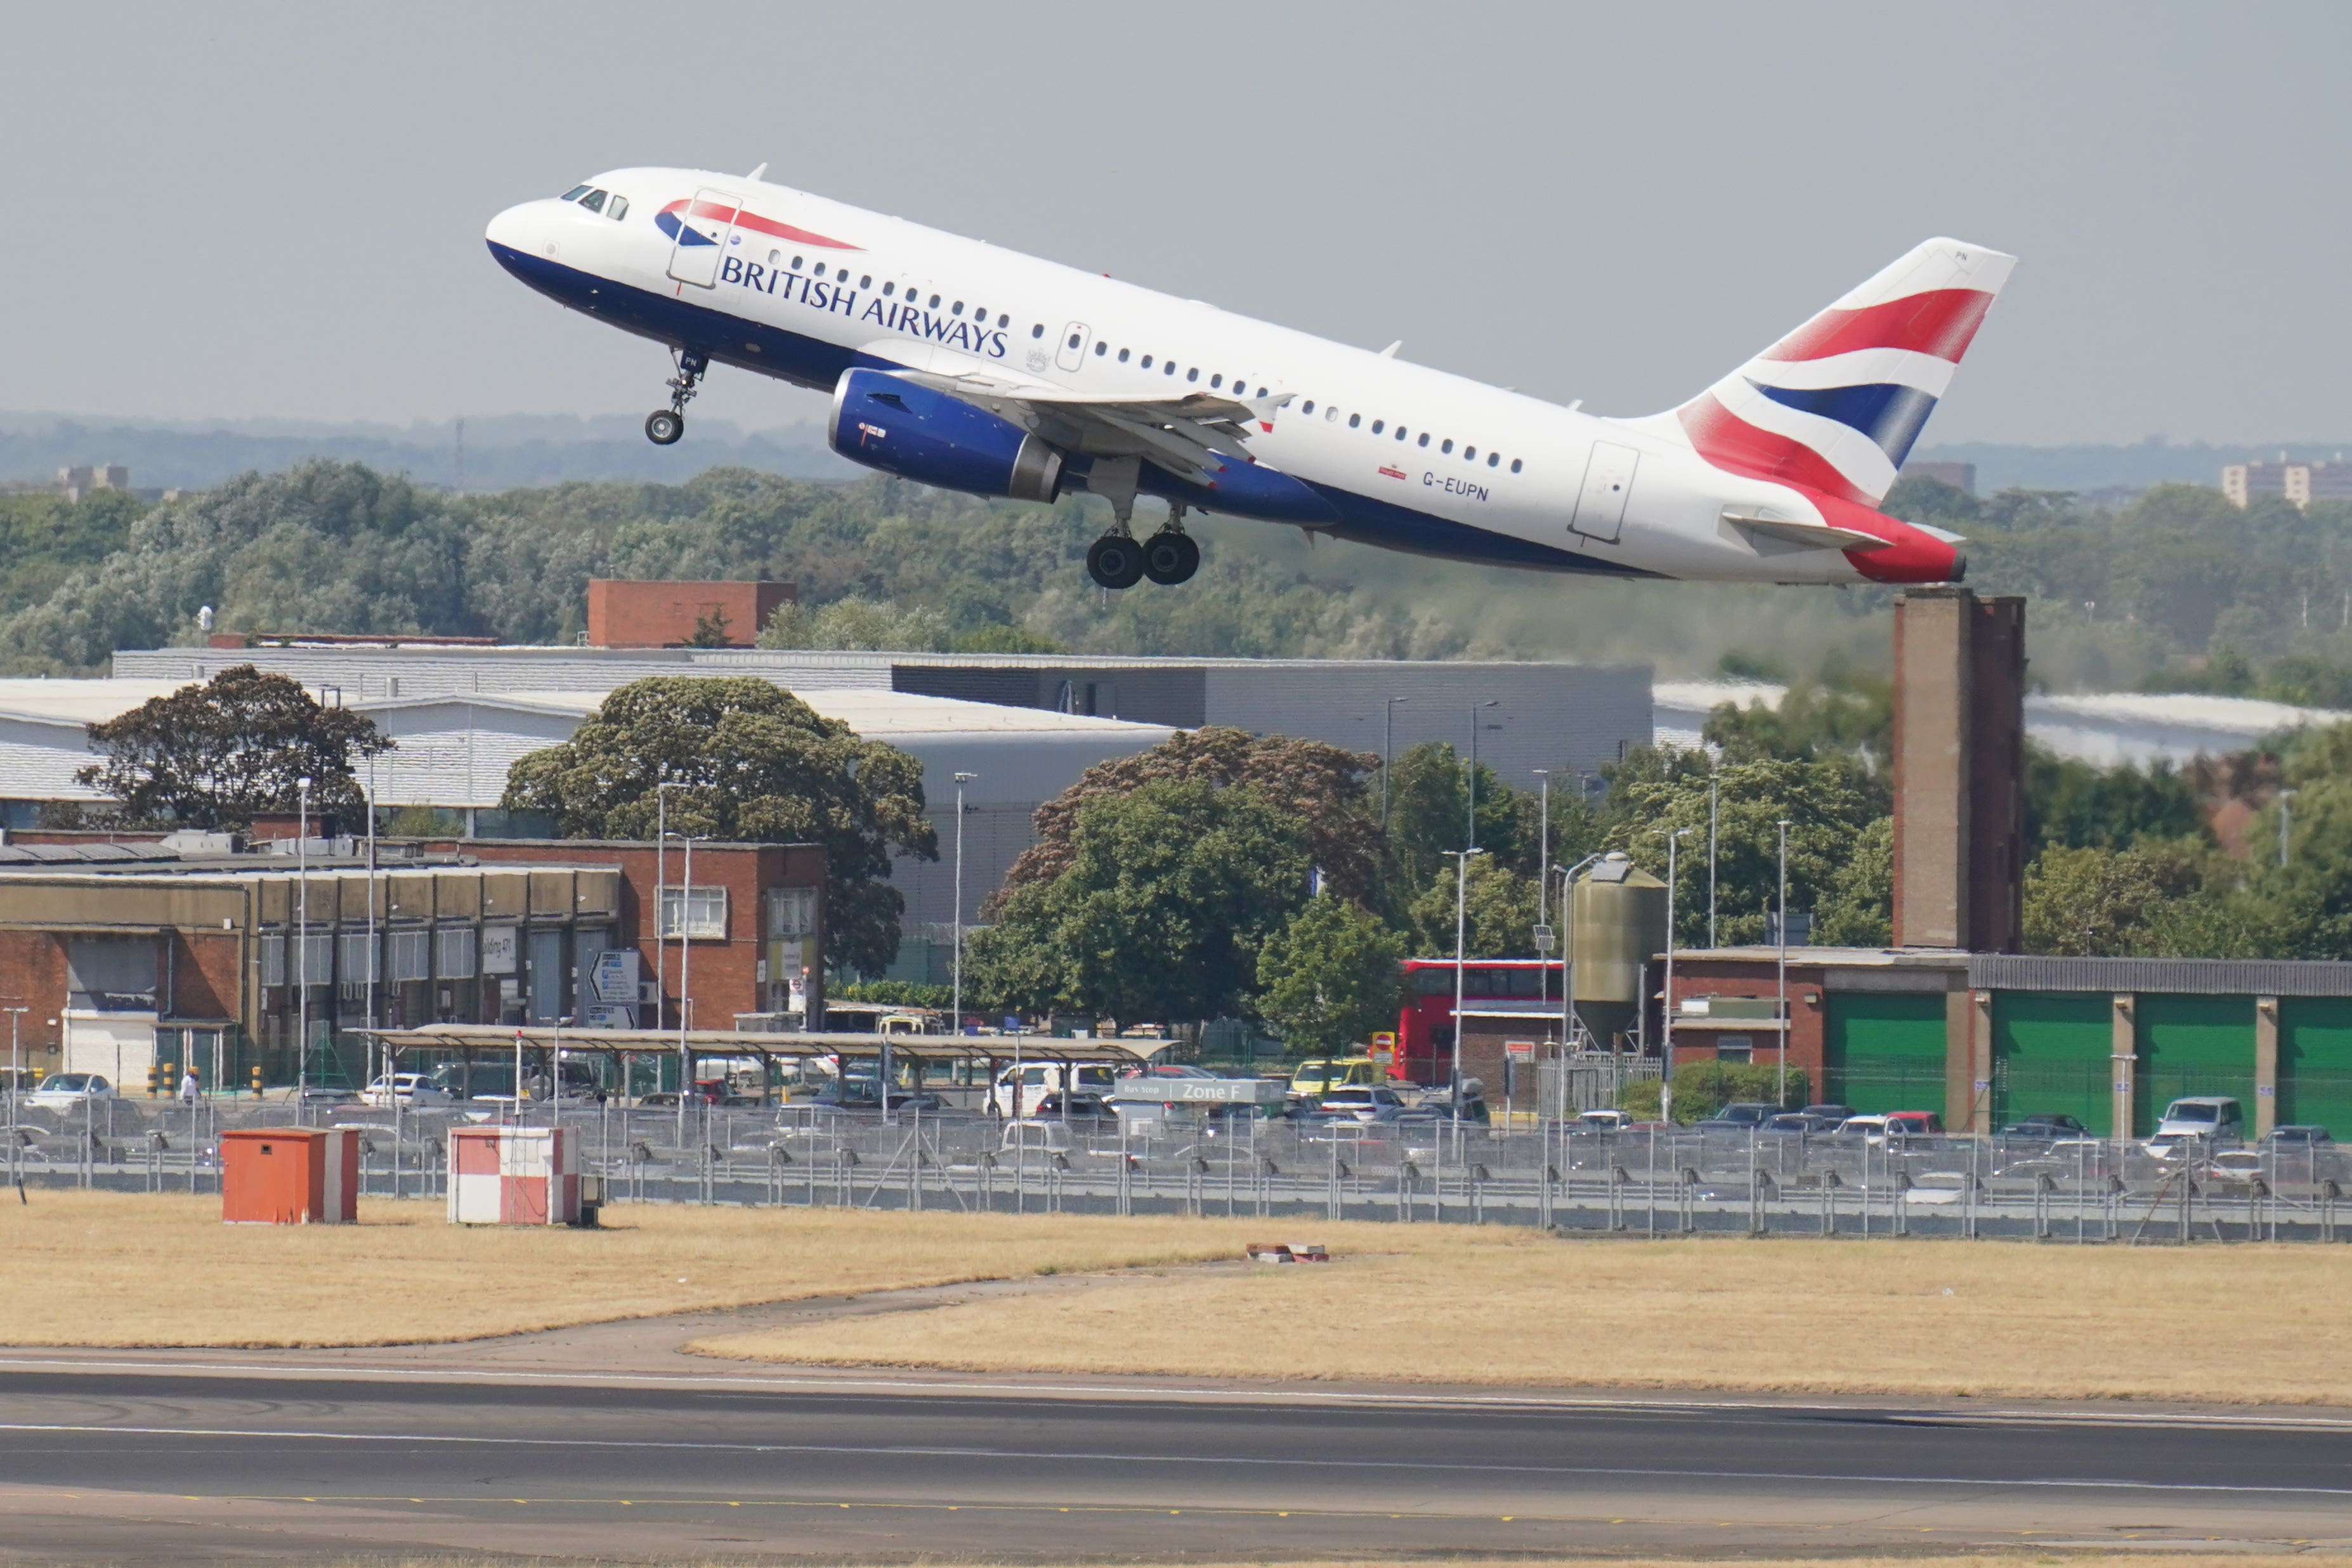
(1834, 408)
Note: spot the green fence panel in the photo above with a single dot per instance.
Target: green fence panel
(2314, 1062)
(1885, 1050)
(2051, 1052)
(2192, 1045)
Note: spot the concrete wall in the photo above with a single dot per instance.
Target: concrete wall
(623, 613)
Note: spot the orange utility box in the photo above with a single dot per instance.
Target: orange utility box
(290, 1176)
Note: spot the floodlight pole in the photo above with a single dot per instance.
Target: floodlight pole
(1712, 803)
(1471, 843)
(1543, 873)
(375, 958)
(685, 967)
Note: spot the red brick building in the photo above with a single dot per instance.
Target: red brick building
(623, 614)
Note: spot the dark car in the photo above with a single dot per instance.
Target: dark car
(2300, 1135)
(1740, 1115)
(2044, 1124)
(1830, 1115)
(1081, 1107)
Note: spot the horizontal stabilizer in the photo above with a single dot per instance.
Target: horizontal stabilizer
(1811, 535)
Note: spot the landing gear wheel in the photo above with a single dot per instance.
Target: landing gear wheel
(1170, 558)
(663, 427)
(1115, 561)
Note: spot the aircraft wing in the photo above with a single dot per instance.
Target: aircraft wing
(1178, 432)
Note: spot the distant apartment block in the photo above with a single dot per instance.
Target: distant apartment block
(1959, 476)
(2299, 483)
(80, 479)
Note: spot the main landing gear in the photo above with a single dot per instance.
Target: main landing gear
(1117, 560)
(664, 425)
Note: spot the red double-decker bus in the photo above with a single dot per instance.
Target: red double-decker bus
(1525, 991)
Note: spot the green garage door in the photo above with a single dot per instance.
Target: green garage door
(2049, 1054)
(2193, 1044)
(1885, 1050)
(2314, 1062)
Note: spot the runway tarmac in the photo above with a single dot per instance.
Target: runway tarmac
(247, 1456)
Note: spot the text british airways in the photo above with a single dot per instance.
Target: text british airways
(893, 315)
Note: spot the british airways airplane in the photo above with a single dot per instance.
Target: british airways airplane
(960, 365)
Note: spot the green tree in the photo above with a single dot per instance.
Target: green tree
(1839, 709)
(1703, 1086)
(1168, 894)
(217, 754)
(2077, 806)
(1322, 787)
(1330, 977)
(1498, 906)
(1857, 908)
(2097, 903)
(748, 762)
(1429, 813)
(1827, 803)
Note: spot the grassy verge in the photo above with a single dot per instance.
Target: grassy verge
(1457, 1305)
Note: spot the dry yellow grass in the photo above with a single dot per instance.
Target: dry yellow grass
(1454, 1305)
(2107, 1559)
(101, 1269)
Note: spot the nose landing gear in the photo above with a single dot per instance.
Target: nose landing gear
(664, 425)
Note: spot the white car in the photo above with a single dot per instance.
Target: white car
(1034, 1081)
(2214, 1117)
(408, 1089)
(68, 1091)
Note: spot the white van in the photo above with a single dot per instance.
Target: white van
(2214, 1117)
(1034, 1081)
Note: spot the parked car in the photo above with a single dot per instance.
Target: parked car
(1739, 1116)
(2044, 1124)
(2212, 1116)
(1080, 1108)
(408, 1089)
(1915, 1123)
(1031, 1081)
(1364, 1103)
(2233, 1166)
(69, 1090)
(1601, 1122)
(1812, 1119)
(2062, 1159)
(1870, 1129)
(1316, 1079)
(2300, 1135)
(1829, 1113)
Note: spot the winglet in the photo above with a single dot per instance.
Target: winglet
(1390, 352)
(755, 174)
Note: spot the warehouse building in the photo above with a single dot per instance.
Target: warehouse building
(161, 950)
(1985, 1039)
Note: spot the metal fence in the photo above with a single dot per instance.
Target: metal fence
(1636, 1182)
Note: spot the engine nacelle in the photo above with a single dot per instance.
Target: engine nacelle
(888, 423)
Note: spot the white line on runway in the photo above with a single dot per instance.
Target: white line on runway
(2075, 1484)
(787, 1382)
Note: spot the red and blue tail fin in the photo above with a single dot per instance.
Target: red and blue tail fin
(1835, 407)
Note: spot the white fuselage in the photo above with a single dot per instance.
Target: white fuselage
(1414, 458)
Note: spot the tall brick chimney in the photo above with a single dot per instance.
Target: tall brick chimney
(1959, 770)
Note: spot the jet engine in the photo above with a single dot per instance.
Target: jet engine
(893, 424)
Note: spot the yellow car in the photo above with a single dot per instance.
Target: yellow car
(1320, 1078)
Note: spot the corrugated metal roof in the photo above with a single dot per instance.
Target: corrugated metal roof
(2197, 977)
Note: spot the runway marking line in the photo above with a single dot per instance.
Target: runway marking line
(2037, 1482)
(1152, 1394)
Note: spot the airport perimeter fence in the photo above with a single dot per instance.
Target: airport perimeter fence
(1634, 1182)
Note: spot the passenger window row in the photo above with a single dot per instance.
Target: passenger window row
(596, 201)
(1380, 426)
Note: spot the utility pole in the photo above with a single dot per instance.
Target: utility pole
(1782, 1097)
(1543, 875)
(1472, 842)
(685, 967)
(1461, 932)
(956, 1027)
(1388, 756)
(1712, 804)
(1666, 1058)
(302, 947)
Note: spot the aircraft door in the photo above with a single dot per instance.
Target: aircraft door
(1073, 350)
(1608, 484)
(705, 226)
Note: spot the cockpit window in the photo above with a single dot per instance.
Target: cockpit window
(574, 194)
(593, 201)
(619, 208)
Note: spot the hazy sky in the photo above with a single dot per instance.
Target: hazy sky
(245, 210)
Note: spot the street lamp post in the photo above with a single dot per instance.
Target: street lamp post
(1543, 875)
(374, 957)
(302, 946)
(1783, 1094)
(1712, 802)
(684, 968)
(16, 1082)
(1461, 932)
(1666, 1046)
(1387, 755)
(1472, 842)
(957, 1001)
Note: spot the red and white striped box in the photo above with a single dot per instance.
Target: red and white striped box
(514, 1176)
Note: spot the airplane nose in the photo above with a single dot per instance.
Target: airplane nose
(515, 228)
